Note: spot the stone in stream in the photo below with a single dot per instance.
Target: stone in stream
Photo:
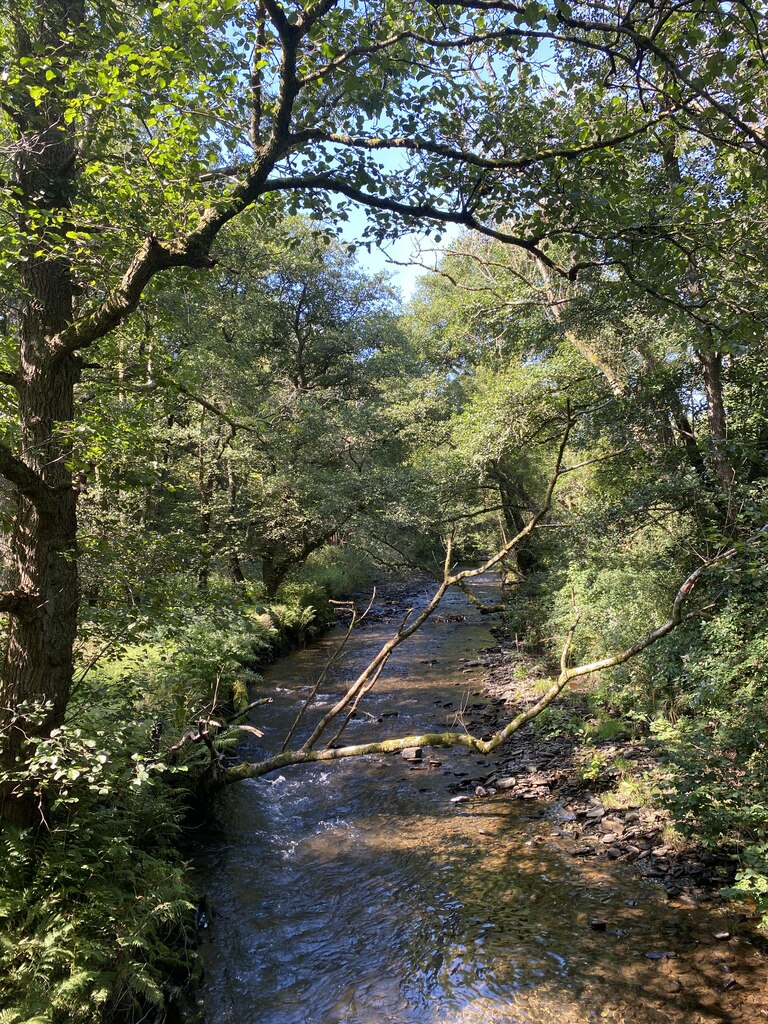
(508, 783)
(563, 815)
(411, 753)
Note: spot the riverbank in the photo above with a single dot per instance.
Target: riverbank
(603, 794)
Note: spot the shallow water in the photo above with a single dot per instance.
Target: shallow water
(358, 893)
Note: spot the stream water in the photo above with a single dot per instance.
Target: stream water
(359, 893)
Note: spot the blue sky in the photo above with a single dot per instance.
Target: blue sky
(404, 250)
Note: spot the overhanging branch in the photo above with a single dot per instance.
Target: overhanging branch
(415, 211)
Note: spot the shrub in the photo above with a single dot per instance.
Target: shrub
(97, 913)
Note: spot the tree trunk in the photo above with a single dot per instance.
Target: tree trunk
(712, 366)
(273, 572)
(38, 661)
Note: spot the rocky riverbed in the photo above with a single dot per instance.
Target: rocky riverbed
(587, 813)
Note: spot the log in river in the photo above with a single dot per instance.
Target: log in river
(364, 892)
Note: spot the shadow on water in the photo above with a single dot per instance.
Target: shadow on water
(358, 893)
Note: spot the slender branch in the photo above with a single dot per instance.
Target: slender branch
(417, 211)
(215, 409)
(518, 163)
(334, 658)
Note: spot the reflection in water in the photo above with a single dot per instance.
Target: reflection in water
(359, 894)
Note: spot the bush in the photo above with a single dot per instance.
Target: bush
(97, 913)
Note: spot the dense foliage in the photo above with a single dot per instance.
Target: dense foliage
(213, 420)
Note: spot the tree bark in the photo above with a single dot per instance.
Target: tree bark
(711, 363)
(38, 661)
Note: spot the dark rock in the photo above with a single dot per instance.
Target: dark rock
(598, 925)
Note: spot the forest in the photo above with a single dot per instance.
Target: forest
(218, 425)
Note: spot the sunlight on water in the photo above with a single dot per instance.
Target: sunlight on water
(360, 894)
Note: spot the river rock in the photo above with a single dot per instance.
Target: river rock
(411, 753)
(508, 783)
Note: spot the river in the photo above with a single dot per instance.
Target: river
(362, 893)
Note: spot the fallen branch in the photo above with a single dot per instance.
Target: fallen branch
(307, 755)
(410, 625)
